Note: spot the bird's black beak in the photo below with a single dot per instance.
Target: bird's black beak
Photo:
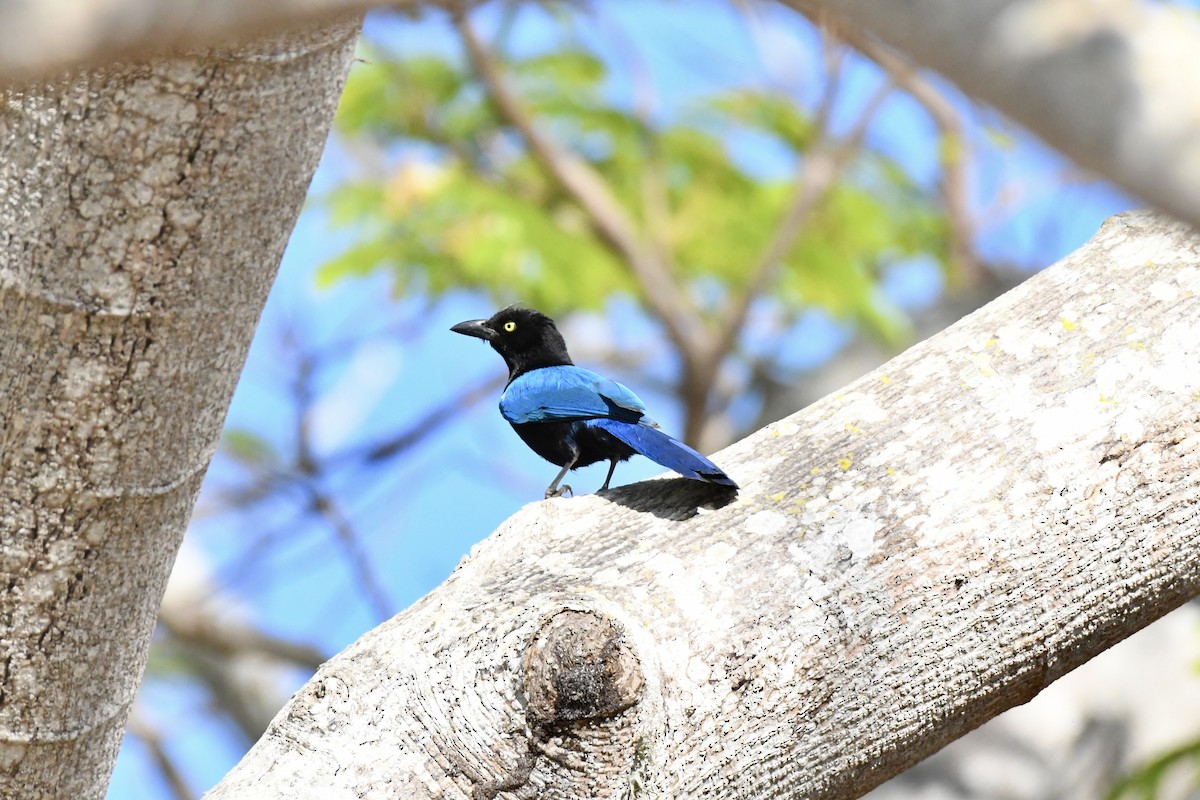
(475, 327)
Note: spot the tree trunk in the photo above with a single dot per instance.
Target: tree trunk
(906, 559)
(145, 209)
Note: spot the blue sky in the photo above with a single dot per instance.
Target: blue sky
(421, 514)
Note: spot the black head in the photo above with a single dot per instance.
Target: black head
(525, 338)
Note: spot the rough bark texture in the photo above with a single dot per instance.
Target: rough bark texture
(1113, 88)
(144, 210)
(907, 558)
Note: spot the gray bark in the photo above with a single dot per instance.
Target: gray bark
(1128, 706)
(907, 558)
(143, 212)
(1112, 87)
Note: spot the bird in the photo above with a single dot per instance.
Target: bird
(571, 416)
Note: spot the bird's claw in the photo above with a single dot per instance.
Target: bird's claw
(561, 491)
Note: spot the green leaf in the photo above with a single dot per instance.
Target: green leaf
(765, 112)
(1147, 781)
(248, 448)
(478, 211)
(561, 71)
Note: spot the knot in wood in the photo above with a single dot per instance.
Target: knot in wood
(579, 666)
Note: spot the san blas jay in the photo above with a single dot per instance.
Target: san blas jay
(572, 416)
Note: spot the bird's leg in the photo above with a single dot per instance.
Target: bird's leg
(552, 490)
(612, 467)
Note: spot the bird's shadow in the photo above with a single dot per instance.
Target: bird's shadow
(676, 499)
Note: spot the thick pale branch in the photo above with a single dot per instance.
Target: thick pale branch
(45, 37)
(1113, 89)
(907, 558)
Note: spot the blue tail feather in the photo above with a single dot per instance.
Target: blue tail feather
(665, 450)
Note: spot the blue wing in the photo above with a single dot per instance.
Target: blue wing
(560, 394)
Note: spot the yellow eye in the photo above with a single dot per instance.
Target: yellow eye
(510, 326)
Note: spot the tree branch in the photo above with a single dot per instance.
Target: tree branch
(227, 636)
(322, 503)
(819, 170)
(955, 180)
(1110, 89)
(907, 558)
(683, 325)
(43, 38)
(151, 738)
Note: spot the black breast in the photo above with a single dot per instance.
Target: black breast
(558, 442)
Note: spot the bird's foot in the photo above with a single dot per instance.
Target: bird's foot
(559, 491)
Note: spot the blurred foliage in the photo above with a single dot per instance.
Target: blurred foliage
(248, 448)
(462, 204)
(1175, 773)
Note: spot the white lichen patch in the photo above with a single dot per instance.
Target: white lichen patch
(42, 587)
(681, 584)
(867, 496)
(859, 535)
(892, 452)
(816, 590)
(698, 671)
(713, 564)
(1188, 279)
(787, 573)
(953, 492)
(1130, 422)
(1110, 378)
(115, 290)
(767, 523)
(49, 477)
(939, 480)
(1020, 342)
(859, 409)
(1178, 369)
(1080, 416)
(783, 428)
(845, 535)
(1162, 291)
(1140, 252)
